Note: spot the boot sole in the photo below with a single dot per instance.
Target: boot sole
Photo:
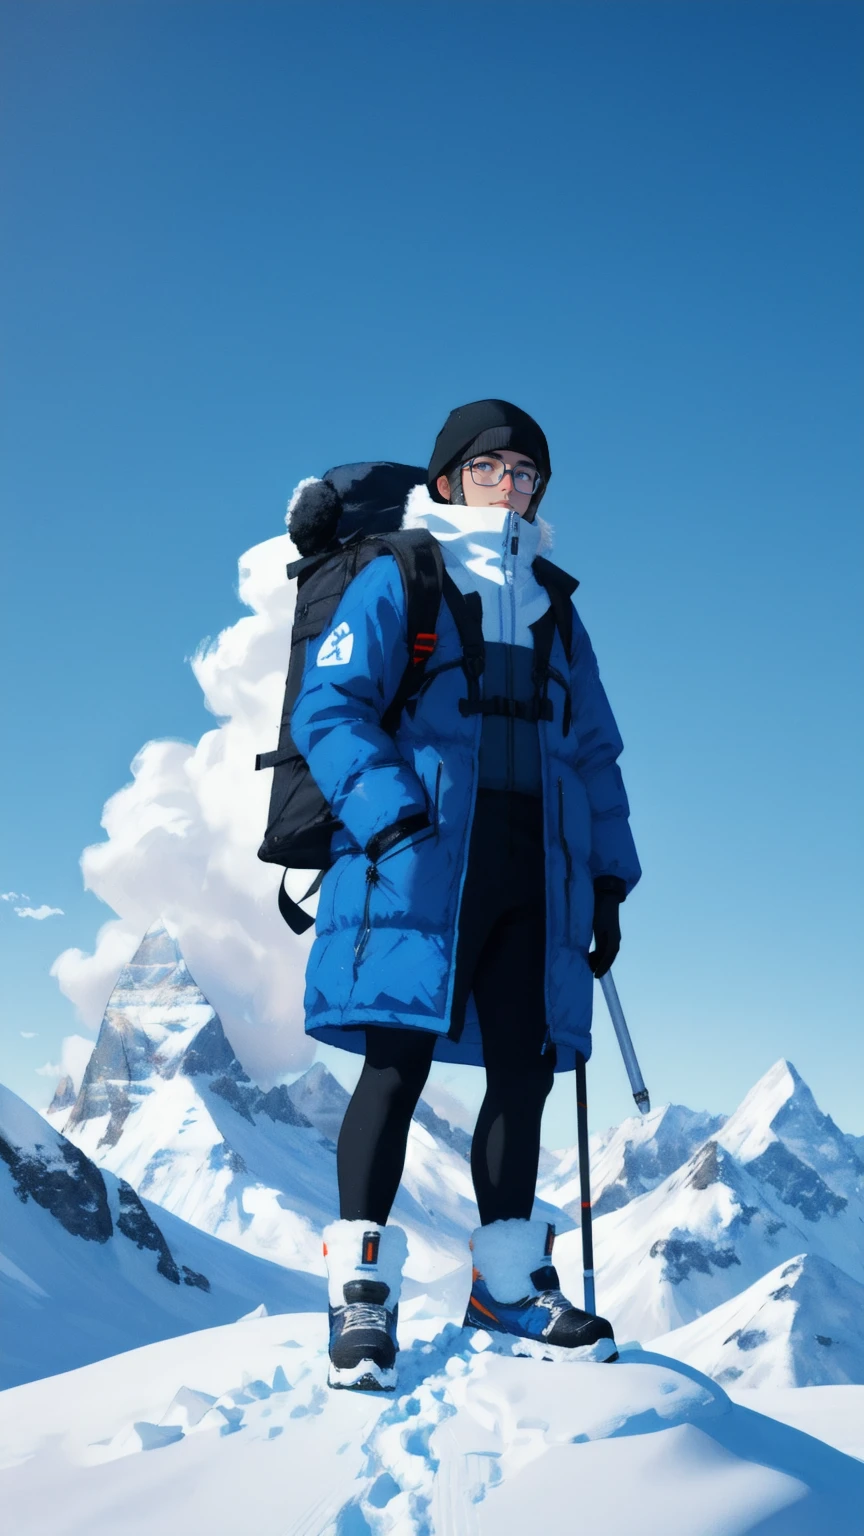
(604, 1352)
(364, 1377)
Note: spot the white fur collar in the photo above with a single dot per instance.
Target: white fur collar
(448, 522)
(476, 543)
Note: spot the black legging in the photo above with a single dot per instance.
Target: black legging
(502, 952)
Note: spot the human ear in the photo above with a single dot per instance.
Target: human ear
(443, 485)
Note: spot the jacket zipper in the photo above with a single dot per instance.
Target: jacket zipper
(372, 878)
(568, 861)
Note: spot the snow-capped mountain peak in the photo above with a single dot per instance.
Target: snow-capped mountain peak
(750, 1129)
(779, 1128)
(159, 1025)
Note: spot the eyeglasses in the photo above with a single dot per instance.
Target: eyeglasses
(486, 469)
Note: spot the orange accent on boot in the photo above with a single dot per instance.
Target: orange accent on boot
(485, 1310)
(475, 1274)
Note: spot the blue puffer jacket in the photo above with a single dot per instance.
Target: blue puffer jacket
(385, 946)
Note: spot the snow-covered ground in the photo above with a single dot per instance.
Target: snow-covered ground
(233, 1430)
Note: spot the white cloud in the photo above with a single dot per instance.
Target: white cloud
(75, 1053)
(14, 896)
(27, 1034)
(40, 913)
(182, 840)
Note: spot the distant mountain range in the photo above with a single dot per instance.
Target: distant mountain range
(735, 1244)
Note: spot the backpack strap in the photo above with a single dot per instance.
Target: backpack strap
(560, 586)
(418, 556)
(298, 920)
(466, 609)
(559, 616)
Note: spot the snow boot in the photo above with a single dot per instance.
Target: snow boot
(364, 1269)
(516, 1296)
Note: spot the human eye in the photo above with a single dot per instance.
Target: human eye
(523, 479)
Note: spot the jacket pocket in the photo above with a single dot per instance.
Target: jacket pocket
(568, 858)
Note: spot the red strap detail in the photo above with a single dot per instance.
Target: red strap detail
(424, 645)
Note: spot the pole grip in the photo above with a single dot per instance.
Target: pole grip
(616, 1014)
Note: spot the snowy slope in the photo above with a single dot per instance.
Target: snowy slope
(799, 1326)
(166, 1105)
(88, 1269)
(242, 1435)
(630, 1158)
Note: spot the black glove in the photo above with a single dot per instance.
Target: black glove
(609, 892)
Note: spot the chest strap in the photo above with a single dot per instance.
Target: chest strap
(530, 710)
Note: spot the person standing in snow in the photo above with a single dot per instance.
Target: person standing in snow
(484, 843)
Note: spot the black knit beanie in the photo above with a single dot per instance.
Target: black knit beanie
(482, 427)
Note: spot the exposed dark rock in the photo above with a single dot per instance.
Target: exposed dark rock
(797, 1184)
(192, 1277)
(683, 1255)
(452, 1135)
(706, 1166)
(64, 1096)
(136, 1223)
(822, 1338)
(236, 1094)
(277, 1103)
(611, 1199)
(249, 1101)
(63, 1181)
(223, 1155)
(119, 1107)
(782, 1293)
(210, 1053)
(747, 1338)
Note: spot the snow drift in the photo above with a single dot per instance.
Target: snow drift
(240, 1434)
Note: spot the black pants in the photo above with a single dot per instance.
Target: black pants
(501, 958)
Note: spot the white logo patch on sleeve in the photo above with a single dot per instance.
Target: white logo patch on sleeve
(337, 648)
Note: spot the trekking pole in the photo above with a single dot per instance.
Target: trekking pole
(585, 1186)
(616, 1013)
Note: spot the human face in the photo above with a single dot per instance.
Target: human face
(501, 495)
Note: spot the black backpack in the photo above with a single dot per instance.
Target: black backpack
(339, 524)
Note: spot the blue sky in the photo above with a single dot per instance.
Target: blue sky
(245, 241)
